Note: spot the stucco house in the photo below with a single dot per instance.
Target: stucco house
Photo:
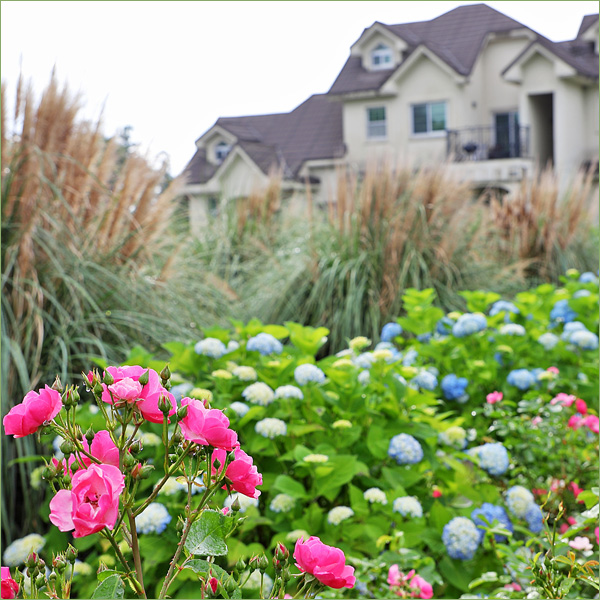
(473, 87)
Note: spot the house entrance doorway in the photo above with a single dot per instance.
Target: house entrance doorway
(541, 109)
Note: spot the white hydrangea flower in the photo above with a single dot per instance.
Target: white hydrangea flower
(375, 495)
(154, 519)
(364, 377)
(342, 424)
(512, 329)
(271, 428)
(282, 503)
(150, 439)
(338, 514)
(316, 458)
(253, 582)
(239, 408)
(408, 506)
(289, 391)
(308, 372)
(358, 343)
(244, 373)
(259, 393)
(296, 534)
(211, 347)
(16, 553)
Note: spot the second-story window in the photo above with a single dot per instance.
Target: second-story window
(428, 117)
(221, 151)
(376, 123)
(381, 57)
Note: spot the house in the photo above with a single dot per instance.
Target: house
(473, 87)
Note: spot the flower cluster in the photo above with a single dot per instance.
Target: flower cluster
(326, 563)
(405, 449)
(521, 504)
(461, 538)
(408, 506)
(409, 585)
(271, 428)
(493, 457)
(338, 514)
(307, 373)
(259, 393)
(454, 388)
(154, 519)
(264, 343)
(282, 503)
(453, 436)
(491, 512)
(390, 331)
(468, 324)
(375, 495)
(211, 347)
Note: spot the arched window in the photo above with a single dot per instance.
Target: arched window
(381, 57)
(221, 151)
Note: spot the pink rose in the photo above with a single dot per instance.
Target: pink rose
(597, 532)
(242, 474)
(575, 489)
(563, 528)
(553, 370)
(437, 493)
(575, 422)
(10, 588)
(494, 397)
(102, 448)
(423, 588)
(564, 399)
(91, 504)
(214, 584)
(580, 406)
(126, 382)
(395, 576)
(592, 422)
(513, 586)
(536, 421)
(207, 426)
(326, 563)
(35, 410)
(580, 543)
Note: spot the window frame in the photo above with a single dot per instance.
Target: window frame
(221, 144)
(380, 52)
(430, 132)
(384, 121)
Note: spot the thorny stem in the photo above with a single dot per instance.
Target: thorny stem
(135, 549)
(136, 584)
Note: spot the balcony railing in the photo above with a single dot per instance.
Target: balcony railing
(488, 143)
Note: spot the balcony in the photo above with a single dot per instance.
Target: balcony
(487, 143)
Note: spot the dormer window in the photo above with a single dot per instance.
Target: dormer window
(221, 151)
(381, 57)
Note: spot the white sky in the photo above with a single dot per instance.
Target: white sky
(171, 69)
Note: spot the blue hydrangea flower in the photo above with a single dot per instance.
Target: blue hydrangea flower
(570, 328)
(424, 338)
(454, 388)
(453, 436)
(586, 340)
(588, 277)
(181, 390)
(390, 331)
(582, 294)
(409, 357)
(211, 347)
(408, 506)
(425, 380)
(493, 458)
(534, 517)
(264, 343)
(503, 306)
(461, 538)
(364, 377)
(518, 500)
(492, 513)
(305, 373)
(468, 324)
(444, 326)
(548, 340)
(521, 378)
(512, 329)
(561, 311)
(154, 519)
(405, 449)
(364, 360)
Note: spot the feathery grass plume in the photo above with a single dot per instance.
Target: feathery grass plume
(93, 261)
(548, 231)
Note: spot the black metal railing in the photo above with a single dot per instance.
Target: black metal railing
(487, 143)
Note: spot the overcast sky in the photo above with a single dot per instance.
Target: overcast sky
(171, 69)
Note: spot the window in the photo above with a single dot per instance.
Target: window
(221, 151)
(381, 57)
(506, 129)
(429, 117)
(376, 123)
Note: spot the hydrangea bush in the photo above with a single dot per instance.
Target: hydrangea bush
(456, 457)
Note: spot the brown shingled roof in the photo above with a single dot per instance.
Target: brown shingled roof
(586, 23)
(311, 131)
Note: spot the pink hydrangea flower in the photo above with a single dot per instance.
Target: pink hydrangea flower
(552, 370)
(242, 474)
(564, 399)
(326, 563)
(207, 426)
(91, 504)
(494, 397)
(36, 409)
(10, 588)
(592, 422)
(125, 389)
(580, 543)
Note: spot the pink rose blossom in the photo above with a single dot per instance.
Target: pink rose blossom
(214, 584)
(494, 397)
(536, 421)
(564, 399)
(580, 406)
(418, 587)
(10, 588)
(580, 543)
(564, 527)
(35, 410)
(592, 422)
(557, 484)
(575, 422)
(226, 510)
(423, 588)
(513, 586)
(102, 448)
(575, 489)
(91, 504)
(538, 491)
(126, 380)
(241, 473)
(326, 563)
(437, 493)
(597, 532)
(207, 426)
(552, 370)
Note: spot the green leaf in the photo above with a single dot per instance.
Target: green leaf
(206, 537)
(204, 567)
(456, 573)
(287, 485)
(377, 442)
(307, 339)
(111, 587)
(277, 331)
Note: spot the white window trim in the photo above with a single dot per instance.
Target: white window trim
(381, 50)
(223, 144)
(429, 133)
(377, 138)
